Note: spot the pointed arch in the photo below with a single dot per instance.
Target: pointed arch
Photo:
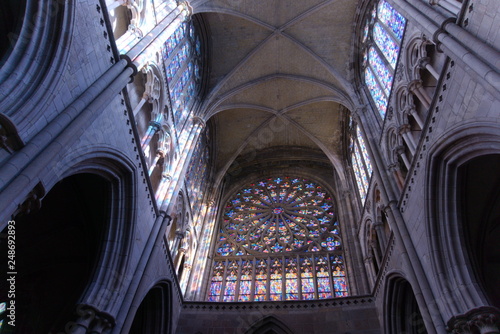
(269, 325)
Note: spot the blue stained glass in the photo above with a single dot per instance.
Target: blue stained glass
(386, 44)
(359, 180)
(375, 91)
(331, 244)
(383, 73)
(364, 151)
(359, 170)
(391, 18)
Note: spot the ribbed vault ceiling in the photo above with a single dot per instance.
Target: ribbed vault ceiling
(279, 72)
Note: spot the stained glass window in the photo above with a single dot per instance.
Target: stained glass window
(182, 60)
(361, 163)
(381, 39)
(269, 223)
(197, 175)
(3, 308)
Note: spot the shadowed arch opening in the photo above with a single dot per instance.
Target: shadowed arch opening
(269, 325)
(57, 249)
(153, 315)
(11, 18)
(402, 312)
(479, 212)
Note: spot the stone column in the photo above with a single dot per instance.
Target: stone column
(400, 150)
(416, 88)
(404, 130)
(153, 128)
(413, 112)
(481, 320)
(379, 229)
(370, 269)
(138, 107)
(424, 63)
(175, 248)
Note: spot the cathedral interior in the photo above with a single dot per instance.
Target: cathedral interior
(253, 167)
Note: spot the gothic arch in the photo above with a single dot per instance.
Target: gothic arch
(154, 314)
(402, 313)
(269, 325)
(112, 267)
(39, 53)
(459, 285)
(60, 248)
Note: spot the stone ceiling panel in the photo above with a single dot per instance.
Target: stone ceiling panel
(323, 120)
(232, 38)
(272, 12)
(279, 93)
(233, 128)
(332, 31)
(279, 55)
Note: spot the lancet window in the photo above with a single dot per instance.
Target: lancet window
(361, 163)
(182, 60)
(279, 239)
(381, 40)
(197, 175)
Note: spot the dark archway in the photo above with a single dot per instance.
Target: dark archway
(403, 315)
(153, 314)
(11, 20)
(269, 325)
(479, 213)
(57, 249)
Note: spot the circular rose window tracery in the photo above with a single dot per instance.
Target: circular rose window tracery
(277, 215)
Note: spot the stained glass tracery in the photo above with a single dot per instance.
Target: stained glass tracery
(182, 60)
(269, 227)
(381, 41)
(361, 163)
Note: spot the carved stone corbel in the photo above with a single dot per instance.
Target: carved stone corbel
(33, 201)
(481, 320)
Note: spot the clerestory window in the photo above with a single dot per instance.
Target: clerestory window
(381, 41)
(182, 60)
(360, 161)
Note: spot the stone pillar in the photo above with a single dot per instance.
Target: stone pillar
(404, 130)
(370, 269)
(481, 320)
(400, 150)
(138, 107)
(153, 128)
(379, 229)
(413, 112)
(416, 88)
(175, 248)
(424, 63)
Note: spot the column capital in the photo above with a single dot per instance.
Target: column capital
(415, 85)
(400, 149)
(483, 320)
(197, 120)
(405, 128)
(423, 62)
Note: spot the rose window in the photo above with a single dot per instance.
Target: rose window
(282, 234)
